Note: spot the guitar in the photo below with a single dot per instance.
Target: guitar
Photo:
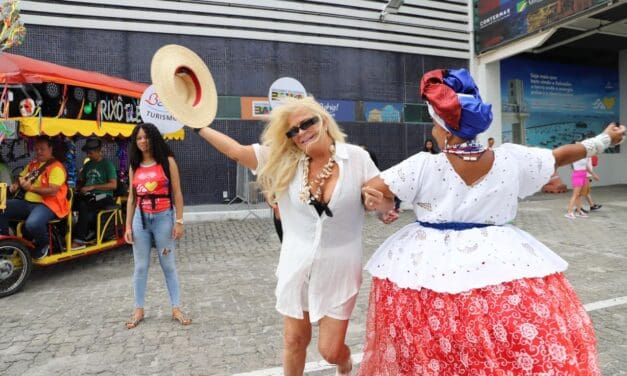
(30, 177)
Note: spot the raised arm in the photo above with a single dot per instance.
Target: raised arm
(243, 154)
(566, 154)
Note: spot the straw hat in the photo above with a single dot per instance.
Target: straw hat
(184, 85)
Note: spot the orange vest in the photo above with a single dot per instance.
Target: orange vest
(58, 203)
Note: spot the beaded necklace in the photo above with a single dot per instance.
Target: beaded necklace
(464, 150)
(324, 174)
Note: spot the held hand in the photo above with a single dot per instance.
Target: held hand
(128, 235)
(87, 188)
(389, 217)
(13, 187)
(177, 231)
(372, 198)
(595, 177)
(616, 133)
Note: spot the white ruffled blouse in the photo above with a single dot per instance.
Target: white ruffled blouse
(324, 251)
(455, 261)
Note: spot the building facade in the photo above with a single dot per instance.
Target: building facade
(362, 53)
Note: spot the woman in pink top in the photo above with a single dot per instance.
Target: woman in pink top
(154, 212)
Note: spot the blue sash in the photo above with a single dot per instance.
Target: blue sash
(456, 226)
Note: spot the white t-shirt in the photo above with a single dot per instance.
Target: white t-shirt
(454, 261)
(582, 164)
(325, 251)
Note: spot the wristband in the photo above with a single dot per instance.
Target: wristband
(596, 145)
(197, 130)
(180, 221)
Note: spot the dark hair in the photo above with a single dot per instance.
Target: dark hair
(433, 147)
(491, 138)
(58, 146)
(160, 150)
(45, 139)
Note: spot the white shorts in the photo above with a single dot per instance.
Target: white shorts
(341, 312)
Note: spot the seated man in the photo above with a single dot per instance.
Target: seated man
(96, 183)
(40, 196)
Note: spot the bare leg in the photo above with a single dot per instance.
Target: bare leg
(331, 343)
(579, 204)
(574, 200)
(296, 338)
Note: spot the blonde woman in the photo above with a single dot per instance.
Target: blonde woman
(316, 178)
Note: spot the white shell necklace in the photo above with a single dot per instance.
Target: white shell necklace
(327, 170)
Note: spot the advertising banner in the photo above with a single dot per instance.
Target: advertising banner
(340, 110)
(383, 112)
(229, 107)
(255, 108)
(500, 21)
(550, 104)
(285, 87)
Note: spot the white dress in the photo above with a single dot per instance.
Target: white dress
(456, 261)
(477, 301)
(325, 252)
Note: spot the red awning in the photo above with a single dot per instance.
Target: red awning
(16, 69)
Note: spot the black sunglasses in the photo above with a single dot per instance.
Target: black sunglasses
(304, 125)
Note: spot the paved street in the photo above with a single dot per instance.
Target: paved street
(69, 318)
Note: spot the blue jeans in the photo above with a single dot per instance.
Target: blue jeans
(158, 228)
(37, 216)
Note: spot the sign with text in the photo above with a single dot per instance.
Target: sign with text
(255, 108)
(285, 87)
(550, 104)
(500, 21)
(153, 111)
(340, 110)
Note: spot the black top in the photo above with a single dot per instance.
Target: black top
(321, 207)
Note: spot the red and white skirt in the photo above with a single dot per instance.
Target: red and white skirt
(530, 326)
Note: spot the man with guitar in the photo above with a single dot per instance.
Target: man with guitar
(40, 195)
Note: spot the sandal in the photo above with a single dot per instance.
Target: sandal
(179, 316)
(136, 318)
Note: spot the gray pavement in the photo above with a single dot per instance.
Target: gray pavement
(69, 318)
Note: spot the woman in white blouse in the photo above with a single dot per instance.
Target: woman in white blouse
(462, 291)
(316, 177)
